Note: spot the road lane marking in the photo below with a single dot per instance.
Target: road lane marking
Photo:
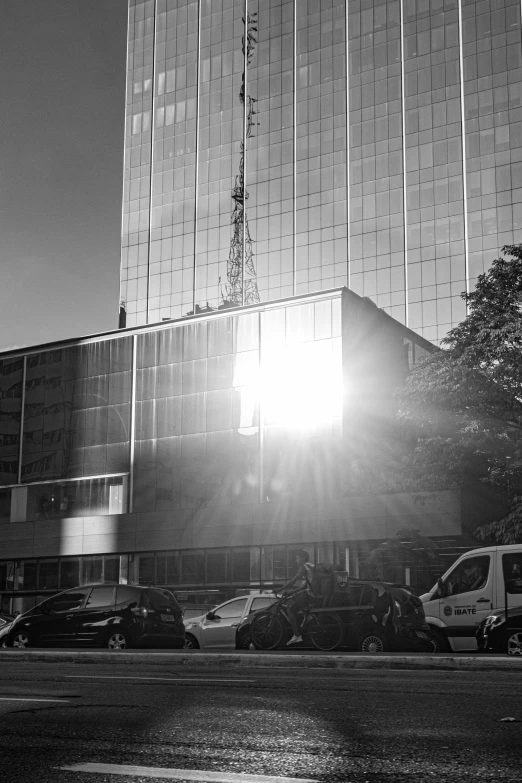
(28, 698)
(160, 679)
(202, 776)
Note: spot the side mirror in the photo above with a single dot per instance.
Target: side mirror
(440, 587)
(211, 616)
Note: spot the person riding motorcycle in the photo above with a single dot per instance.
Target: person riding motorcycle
(300, 598)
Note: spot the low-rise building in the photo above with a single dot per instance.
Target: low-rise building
(200, 453)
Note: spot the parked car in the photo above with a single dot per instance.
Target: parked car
(377, 617)
(105, 615)
(217, 629)
(6, 620)
(498, 635)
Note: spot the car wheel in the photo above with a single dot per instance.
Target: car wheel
(439, 643)
(20, 640)
(244, 641)
(116, 640)
(191, 643)
(373, 642)
(513, 642)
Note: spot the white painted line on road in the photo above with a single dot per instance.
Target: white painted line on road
(117, 677)
(160, 679)
(28, 698)
(200, 775)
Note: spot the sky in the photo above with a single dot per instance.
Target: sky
(62, 95)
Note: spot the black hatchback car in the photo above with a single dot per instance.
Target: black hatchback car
(103, 615)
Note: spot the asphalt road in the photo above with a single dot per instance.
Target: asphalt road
(224, 723)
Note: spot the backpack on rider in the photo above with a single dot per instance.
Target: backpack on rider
(327, 583)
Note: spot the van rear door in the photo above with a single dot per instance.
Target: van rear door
(467, 597)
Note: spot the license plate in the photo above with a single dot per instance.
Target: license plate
(167, 618)
(422, 635)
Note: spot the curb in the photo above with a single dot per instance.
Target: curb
(268, 660)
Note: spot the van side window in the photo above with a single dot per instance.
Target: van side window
(100, 596)
(512, 565)
(471, 574)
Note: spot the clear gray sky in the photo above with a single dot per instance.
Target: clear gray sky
(61, 141)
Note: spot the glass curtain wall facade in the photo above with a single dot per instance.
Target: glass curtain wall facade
(65, 430)
(225, 410)
(279, 147)
(213, 404)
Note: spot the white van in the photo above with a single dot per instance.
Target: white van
(470, 590)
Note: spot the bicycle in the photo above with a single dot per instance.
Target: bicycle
(322, 629)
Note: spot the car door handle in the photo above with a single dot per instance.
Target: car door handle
(234, 625)
(483, 600)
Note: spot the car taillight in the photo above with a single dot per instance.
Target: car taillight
(141, 611)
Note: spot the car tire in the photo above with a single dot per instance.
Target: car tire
(20, 640)
(117, 640)
(373, 642)
(191, 643)
(244, 641)
(439, 642)
(512, 642)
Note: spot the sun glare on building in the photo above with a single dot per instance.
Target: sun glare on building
(301, 385)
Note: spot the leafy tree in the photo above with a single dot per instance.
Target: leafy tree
(463, 404)
(388, 560)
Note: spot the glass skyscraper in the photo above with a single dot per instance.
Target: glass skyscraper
(280, 147)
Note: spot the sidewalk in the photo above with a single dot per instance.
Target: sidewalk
(247, 659)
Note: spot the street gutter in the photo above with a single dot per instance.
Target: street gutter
(259, 660)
